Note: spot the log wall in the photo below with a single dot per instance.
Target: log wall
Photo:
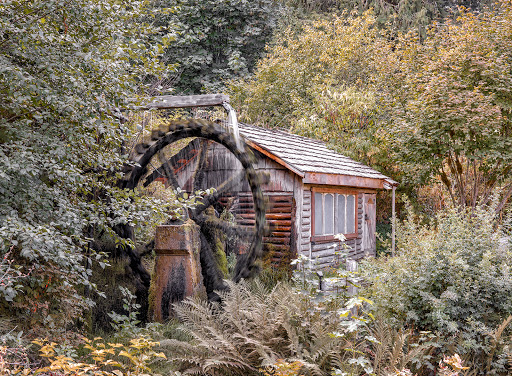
(289, 212)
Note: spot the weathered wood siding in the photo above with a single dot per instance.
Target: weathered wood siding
(281, 213)
(305, 239)
(289, 212)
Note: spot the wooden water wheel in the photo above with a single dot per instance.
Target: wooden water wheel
(149, 161)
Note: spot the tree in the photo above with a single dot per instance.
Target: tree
(64, 68)
(318, 84)
(218, 41)
(450, 105)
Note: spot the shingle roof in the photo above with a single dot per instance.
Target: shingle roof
(304, 155)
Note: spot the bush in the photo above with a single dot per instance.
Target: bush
(452, 278)
(99, 359)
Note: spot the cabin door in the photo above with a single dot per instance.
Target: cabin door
(369, 222)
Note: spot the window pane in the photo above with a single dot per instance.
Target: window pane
(351, 212)
(341, 215)
(318, 214)
(329, 214)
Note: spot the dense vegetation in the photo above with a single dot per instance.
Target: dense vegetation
(420, 90)
(437, 110)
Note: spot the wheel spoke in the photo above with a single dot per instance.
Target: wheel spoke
(227, 185)
(172, 162)
(230, 229)
(199, 171)
(168, 169)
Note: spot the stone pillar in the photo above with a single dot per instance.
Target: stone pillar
(177, 272)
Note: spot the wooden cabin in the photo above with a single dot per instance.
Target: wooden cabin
(313, 193)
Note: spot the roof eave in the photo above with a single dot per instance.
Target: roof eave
(274, 157)
(345, 180)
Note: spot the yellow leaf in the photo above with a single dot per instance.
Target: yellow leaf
(128, 355)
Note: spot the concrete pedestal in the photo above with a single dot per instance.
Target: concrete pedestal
(177, 268)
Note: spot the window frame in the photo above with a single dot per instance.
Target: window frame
(341, 191)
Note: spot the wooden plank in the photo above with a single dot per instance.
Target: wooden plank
(343, 180)
(285, 205)
(271, 222)
(277, 256)
(183, 101)
(323, 246)
(279, 234)
(279, 198)
(282, 228)
(277, 247)
(276, 240)
(268, 216)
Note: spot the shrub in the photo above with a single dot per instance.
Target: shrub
(100, 359)
(452, 278)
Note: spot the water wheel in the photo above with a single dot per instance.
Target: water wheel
(149, 161)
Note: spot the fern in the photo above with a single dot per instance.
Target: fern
(394, 350)
(251, 329)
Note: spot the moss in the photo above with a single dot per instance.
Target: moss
(220, 254)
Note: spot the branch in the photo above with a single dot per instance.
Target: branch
(505, 198)
(446, 181)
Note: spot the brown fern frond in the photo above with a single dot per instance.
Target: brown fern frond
(496, 336)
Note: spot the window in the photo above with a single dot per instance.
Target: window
(333, 213)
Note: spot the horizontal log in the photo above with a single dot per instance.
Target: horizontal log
(277, 248)
(184, 101)
(281, 204)
(279, 234)
(268, 216)
(272, 216)
(249, 222)
(243, 197)
(276, 255)
(283, 229)
(268, 211)
(277, 240)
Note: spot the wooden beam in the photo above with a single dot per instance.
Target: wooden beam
(183, 101)
(344, 180)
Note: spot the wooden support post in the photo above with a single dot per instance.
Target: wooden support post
(351, 267)
(177, 268)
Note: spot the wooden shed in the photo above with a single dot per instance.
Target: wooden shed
(313, 193)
